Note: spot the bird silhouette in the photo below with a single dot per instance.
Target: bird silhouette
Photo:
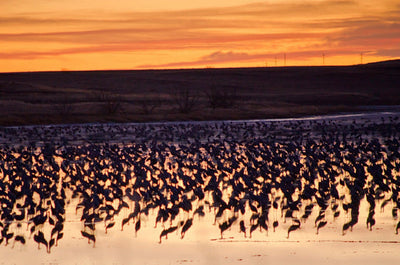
(397, 227)
(39, 238)
(253, 227)
(275, 224)
(90, 237)
(20, 239)
(243, 228)
(165, 232)
(320, 225)
(109, 225)
(292, 228)
(137, 226)
(224, 226)
(186, 227)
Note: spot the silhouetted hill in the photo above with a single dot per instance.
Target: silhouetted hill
(389, 63)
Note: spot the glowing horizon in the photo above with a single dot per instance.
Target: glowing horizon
(45, 35)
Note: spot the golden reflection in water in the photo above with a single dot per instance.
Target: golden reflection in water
(326, 189)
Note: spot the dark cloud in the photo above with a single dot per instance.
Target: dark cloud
(371, 35)
(393, 53)
(219, 57)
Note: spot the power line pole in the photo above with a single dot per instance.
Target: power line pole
(361, 57)
(284, 59)
(323, 59)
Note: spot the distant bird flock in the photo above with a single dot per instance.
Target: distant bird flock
(251, 175)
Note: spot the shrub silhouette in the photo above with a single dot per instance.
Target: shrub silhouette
(220, 98)
(112, 102)
(185, 100)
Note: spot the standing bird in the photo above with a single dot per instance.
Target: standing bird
(39, 238)
(371, 220)
(90, 237)
(110, 225)
(165, 232)
(263, 224)
(137, 226)
(253, 227)
(186, 227)
(59, 236)
(384, 203)
(50, 245)
(19, 239)
(200, 211)
(397, 228)
(292, 228)
(243, 228)
(224, 226)
(320, 225)
(275, 225)
(394, 213)
(336, 214)
(346, 227)
(124, 222)
(319, 218)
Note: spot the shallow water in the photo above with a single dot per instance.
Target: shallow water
(205, 182)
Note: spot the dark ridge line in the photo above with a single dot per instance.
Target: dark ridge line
(385, 63)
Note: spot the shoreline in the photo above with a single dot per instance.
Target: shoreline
(192, 131)
(369, 112)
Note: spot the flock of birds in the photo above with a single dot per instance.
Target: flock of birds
(253, 175)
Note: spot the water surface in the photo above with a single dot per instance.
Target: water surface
(200, 191)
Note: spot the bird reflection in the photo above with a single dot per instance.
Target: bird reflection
(245, 174)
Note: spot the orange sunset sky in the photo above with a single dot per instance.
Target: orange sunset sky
(39, 35)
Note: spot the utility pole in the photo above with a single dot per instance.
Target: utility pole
(361, 57)
(323, 59)
(284, 59)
